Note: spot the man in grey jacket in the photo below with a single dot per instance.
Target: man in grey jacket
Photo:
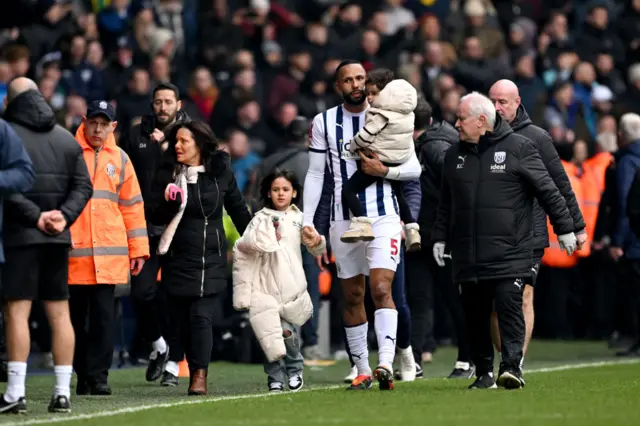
(38, 240)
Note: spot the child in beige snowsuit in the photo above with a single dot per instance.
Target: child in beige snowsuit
(388, 132)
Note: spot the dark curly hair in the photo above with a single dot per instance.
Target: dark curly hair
(380, 77)
(214, 160)
(267, 181)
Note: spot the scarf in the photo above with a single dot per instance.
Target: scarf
(185, 176)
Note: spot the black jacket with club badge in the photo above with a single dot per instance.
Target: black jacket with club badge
(485, 214)
(523, 126)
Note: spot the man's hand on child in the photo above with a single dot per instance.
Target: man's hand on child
(372, 165)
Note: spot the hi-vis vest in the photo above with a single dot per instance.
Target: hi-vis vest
(597, 167)
(111, 229)
(588, 194)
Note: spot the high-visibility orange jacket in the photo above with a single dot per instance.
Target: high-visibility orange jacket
(112, 228)
(554, 257)
(597, 166)
(592, 183)
(586, 186)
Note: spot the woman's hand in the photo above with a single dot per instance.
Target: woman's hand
(173, 193)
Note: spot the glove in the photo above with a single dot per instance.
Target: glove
(438, 253)
(568, 243)
(173, 193)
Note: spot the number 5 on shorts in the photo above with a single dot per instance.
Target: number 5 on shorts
(394, 247)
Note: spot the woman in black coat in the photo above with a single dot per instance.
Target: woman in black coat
(192, 249)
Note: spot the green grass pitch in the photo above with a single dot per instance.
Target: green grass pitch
(567, 384)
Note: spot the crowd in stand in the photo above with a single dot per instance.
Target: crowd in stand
(251, 68)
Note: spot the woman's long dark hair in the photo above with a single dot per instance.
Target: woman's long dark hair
(214, 160)
(267, 181)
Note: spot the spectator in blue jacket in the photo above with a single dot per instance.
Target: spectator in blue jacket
(625, 246)
(80, 77)
(16, 169)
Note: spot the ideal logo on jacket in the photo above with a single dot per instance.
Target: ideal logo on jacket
(499, 158)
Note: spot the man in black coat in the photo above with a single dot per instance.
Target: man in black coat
(144, 144)
(506, 99)
(485, 218)
(433, 139)
(38, 239)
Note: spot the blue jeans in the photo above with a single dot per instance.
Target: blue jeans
(293, 362)
(400, 299)
(311, 271)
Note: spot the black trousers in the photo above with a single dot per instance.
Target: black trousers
(144, 295)
(195, 318)
(92, 309)
(424, 276)
(478, 300)
(359, 181)
(554, 302)
(630, 271)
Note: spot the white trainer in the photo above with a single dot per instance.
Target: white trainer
(407, 367)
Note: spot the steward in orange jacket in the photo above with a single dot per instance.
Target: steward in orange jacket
(109, 241)
(111, 233)
(587, 187)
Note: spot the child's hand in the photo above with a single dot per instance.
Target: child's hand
(276, 224)
(310, 237)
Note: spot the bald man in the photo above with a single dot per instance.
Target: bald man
(37, 238)
(506, 99)
(489, 181)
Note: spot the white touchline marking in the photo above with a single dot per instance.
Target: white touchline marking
(128, 410)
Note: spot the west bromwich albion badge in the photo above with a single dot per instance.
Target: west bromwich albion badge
(111, 170)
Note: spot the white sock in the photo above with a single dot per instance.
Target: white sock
(386, 328)
(172, 367)
(357, 341)
(17, 372)
(63, 380)
(462, 365)
(160, 345)
(521, 362)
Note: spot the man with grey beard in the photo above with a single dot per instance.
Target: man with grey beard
(145, 144)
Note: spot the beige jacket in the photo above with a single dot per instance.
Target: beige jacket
(268, 277)
(388, 129)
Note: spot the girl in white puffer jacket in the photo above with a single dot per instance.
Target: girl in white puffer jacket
(269, 280)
